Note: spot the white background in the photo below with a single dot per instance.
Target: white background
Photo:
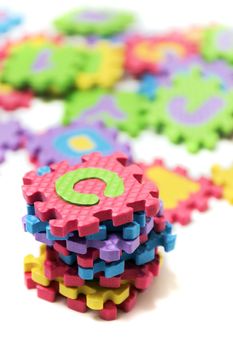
(189, 306)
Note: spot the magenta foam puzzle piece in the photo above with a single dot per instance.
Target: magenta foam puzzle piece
(71, 142)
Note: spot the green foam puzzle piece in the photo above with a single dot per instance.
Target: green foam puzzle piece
(43, 68)
(97, 22)
(65, 185)
(126, 111)
(217, 43)
(194, 109)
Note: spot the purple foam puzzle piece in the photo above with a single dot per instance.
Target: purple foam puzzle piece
(11, 137)
(72, 142)
(110, 249)
(148, 227)
(218, 68)
(41, 237)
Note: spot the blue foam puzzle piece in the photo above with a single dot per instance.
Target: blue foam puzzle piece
(43, 170)
(34, 225)
(51, 237)
(148, 86)
(109, 269)
(131, 231)
(99, 236)
(69, 259)
(140, 218)
(30, 209)
(8, 21)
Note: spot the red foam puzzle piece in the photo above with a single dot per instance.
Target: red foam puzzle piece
(139, 195)
(148, 54)
(109, 311)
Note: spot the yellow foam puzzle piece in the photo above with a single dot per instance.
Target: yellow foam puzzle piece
(173, 187)
(36, 267)
(5, 89)
(224, 177)
(106, 70)
(81, 143)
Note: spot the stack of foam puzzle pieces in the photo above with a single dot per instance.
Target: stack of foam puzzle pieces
(99, 249)
(103, 219)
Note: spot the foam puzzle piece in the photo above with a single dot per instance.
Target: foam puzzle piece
(12, 137)
(9, 20)
(45, 68)
(36, 39)
(65, 217)
(11, 99)
(217, 43)
(143, 254)
(218, 69)
(141, 225)
(103, 66)
(109, 249)
(198, 120)
(102, 22)
(149, 84)
(146, 54)
(96, 296)
(139, 276)
(224, 178)
(180, 192)
(109, 269)
(125, 110)
(54, 269)
(72, 142)
(108, 313)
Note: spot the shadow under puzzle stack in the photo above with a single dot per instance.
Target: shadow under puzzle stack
(101, 223)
